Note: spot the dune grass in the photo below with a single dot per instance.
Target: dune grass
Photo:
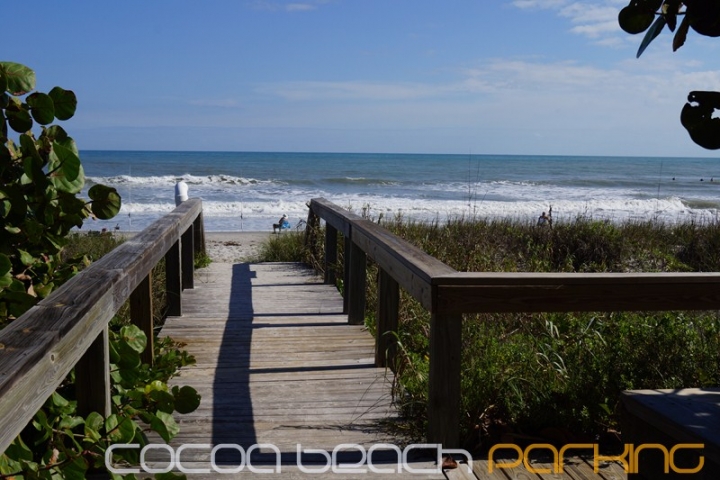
(555, 376)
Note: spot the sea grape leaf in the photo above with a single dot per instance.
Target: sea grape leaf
(3, 134)
(18, 119)
(635, 19)
(651, 34)
(55, 133)
(70, 421)
(164, 401)
(6, 278)
(75, 470)
(25, 258)
(704, 17)
(186, 399)
(66, 171)
(32, 161)
(42, 108)
(681, 34)
(134, 337)
(697, 118)
(65, 162)
(119, 429)
(65, 103)
(19, 79)
(5, 264)
(164, 424)
(106, 201)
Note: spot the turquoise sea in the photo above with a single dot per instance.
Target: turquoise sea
(251, 190)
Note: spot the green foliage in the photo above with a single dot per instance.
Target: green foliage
(40, 178)
(703, 16)
(59, 443)
(556, 374)
(202, 260)
(287, 247)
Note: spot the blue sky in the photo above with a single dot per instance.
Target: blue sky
(553, 77)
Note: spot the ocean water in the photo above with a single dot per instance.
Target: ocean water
(250, 191)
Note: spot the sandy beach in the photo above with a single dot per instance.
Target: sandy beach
(234, 246)
(229, 247)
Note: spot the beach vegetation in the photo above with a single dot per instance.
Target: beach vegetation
(41, 177)
(554, 376)
(285, 247)
(61, 444)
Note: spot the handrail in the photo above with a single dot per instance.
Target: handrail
(447, 294)
(69, 328)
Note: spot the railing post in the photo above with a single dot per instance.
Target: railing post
(444, 388)
(387, 320)
(92, 377)
(199, 234)
(355, 287)
(141, 315)
(188, 258)
(331, 237)
(346, 273)
(173, 280)
(313, 222)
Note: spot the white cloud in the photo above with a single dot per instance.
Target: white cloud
(545, 4)
(510, 94)
(350, 90)
(299, 7)
(277, 6)
(596, 20)
(220, 102)
(507, 76)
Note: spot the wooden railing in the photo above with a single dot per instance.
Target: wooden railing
(69, 328)
(447, 294)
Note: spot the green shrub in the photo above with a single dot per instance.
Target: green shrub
(539, 373)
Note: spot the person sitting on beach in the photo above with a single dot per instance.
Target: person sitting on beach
(543, 220)
(282, 223)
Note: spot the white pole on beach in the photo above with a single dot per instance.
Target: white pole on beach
(181, 192)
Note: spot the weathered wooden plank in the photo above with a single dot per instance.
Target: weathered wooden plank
(333, 215)
(672, 417)
(331, 253)
(346, 273)
(387, 320)
(187, 255)
(576, 292)
(141, 314)
(173, 280)
(481, 469)
(199, 234)
(355, 289)
(412, 268)
(39, 349)
(266, 380)
(444, 380)
(92, 377)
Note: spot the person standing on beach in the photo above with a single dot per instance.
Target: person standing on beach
(543, 220)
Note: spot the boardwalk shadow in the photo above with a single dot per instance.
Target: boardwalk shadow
(307, 386)
(232, 406)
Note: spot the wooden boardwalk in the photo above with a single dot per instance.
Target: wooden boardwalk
(278, 365)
